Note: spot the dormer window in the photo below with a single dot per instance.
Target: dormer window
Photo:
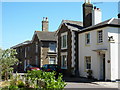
(64, 40)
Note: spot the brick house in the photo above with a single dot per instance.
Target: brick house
(67, 46)
(39, 51)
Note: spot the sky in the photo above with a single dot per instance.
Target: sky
(21, 19)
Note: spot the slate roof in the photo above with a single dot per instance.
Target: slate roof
(22, 44)
(46, 36)
(73, 25)
(109, 22)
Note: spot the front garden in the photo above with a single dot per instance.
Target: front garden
(35, 79)
(31, 79)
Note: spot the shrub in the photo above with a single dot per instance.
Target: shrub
(45, 79)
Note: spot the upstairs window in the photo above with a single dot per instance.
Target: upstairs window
(100, 36)
(36, 45)
(52, 47)
(64, 40)
(25, 52)
(87, 38)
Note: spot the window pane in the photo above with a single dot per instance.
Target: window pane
(52, 60)
(64, 61)
(87, 38)
(100, 36)
(64, 41)
(88, 62)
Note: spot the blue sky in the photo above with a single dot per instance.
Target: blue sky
(21, 19)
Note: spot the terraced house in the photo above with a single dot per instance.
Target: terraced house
(93, 46)
(38, 51)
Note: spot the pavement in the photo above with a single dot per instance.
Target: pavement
(78, 82)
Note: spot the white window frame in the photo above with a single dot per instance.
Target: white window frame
(63, 54)
(62, 35)
(100, 36)
(50, 60)
(36, 47)
(87, 58)
(25, 61)
(87, 38)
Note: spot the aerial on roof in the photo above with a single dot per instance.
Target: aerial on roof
(46, 36)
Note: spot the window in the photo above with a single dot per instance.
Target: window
(100, 36)
(28, 62)
(36, 60)
(64, 40)
(52, 60)
(28, 48)
(52, 47)
(88, 62)
(25, 52)
(64, 62)
(87, 38)
(36, 44)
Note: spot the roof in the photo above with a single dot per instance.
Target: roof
(46, 36)
(22, 44)
(110, 22)
(73, 25)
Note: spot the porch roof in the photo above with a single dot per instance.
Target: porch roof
(100, 50)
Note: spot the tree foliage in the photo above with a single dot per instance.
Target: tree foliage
(7, 60)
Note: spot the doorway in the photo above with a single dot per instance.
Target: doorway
(102, 66)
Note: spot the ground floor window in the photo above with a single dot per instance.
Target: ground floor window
(36, 60)
(87, 62)
(64, 62)
(52, 60)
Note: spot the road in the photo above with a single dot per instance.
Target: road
(84, 83)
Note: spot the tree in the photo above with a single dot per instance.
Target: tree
(7, 60)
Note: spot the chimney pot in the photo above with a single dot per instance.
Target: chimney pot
(45, 24)
(119, 15)
(94, 7)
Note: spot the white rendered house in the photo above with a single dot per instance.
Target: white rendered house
(98, 50)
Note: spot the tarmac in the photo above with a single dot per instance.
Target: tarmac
(87, 83)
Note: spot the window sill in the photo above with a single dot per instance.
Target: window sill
(99, 43)
(87, 45)
(64, 48)
(63, 67)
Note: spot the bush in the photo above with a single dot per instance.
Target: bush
(45, 79)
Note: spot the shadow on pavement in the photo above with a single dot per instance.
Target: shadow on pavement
(79, 80)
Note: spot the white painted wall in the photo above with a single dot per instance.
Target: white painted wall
(111, 53)
(114, 52)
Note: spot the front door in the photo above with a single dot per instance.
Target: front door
(102, 66)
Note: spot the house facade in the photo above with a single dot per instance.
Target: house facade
(93, 46)
(67, 47)
(98, 50)
(39, 51)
